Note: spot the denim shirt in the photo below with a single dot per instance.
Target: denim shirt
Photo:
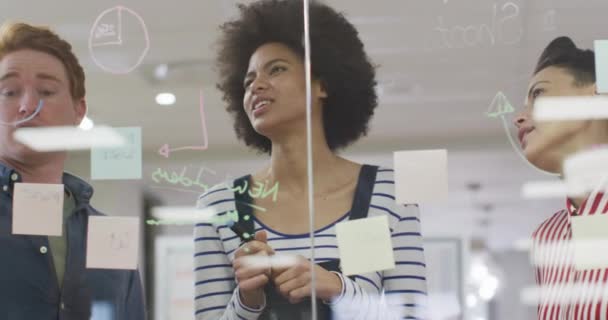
(28, 282)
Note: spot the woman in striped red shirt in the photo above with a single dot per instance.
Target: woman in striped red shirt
(566, 292)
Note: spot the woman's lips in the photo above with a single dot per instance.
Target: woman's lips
(522, 143)
(260, 110)
(523, 137)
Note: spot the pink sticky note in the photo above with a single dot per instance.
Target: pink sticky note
(112, 242)
(38, 209)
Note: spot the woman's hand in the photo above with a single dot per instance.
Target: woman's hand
(251, 279)
(294, 283)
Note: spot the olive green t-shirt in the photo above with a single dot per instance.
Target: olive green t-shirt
(59, 245)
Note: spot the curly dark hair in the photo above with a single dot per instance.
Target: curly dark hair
(563, 53)
(338, 60)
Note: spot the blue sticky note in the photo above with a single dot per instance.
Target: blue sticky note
(601, 65)
(118, 163)
(102, 310)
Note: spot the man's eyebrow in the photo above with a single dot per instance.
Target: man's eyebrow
(46, 76)
(9, 75)
(42, 76)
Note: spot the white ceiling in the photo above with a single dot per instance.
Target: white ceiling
(441, 64)
(441, 61)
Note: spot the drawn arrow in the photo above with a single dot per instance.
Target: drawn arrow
(499, 108)
(165, 150)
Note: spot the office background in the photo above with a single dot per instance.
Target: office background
(444, 67)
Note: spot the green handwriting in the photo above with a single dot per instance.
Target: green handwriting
(258, 191)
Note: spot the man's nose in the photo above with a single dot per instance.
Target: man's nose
(28, 104)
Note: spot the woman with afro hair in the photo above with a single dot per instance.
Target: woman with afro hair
(262, 78)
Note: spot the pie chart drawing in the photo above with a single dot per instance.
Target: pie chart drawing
(119, 40)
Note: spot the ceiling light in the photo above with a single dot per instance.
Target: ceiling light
(165, 99)
(161, 71)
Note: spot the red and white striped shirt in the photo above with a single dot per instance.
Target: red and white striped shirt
(567, 292)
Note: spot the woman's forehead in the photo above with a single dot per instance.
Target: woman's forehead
(552, 73)
(269, 52)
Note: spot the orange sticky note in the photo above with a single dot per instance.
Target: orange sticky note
(38, 209)
(112, 242)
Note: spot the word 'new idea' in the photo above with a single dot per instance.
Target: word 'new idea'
(257, 190)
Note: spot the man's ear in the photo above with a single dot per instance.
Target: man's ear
(80, 109)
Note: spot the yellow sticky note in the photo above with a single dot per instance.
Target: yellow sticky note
(590, 240)
(421, 175)
(112, 242)
(365, 245)
(38, 209)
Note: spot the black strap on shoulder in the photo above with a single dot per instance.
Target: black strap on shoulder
(244, 227)
(363, 192)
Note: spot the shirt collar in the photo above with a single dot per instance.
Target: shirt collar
(8, 177)
(81, 190)
(573, 211)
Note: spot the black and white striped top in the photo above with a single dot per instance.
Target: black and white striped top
(404, 287)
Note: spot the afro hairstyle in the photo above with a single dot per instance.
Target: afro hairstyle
(338, 60)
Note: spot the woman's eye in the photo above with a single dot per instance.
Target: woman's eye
(537, 92)
(247, 83)
(276, 69)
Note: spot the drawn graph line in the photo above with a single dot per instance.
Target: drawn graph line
(499, 108)
(107, 30)
(166, 150)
